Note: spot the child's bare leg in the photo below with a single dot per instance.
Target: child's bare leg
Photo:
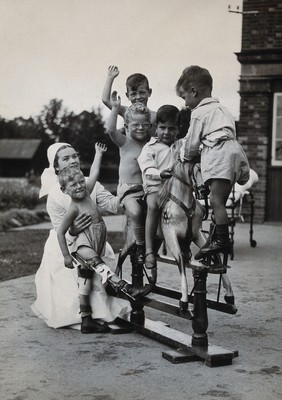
(135, 214)
(220, 189)
(219, 192)
(151, 229)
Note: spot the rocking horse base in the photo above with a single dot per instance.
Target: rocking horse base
(212, 355)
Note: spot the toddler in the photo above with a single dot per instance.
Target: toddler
(156, 161)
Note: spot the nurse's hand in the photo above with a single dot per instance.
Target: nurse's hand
(81, 222)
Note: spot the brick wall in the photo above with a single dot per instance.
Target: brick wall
(264, 30)
(261, 64)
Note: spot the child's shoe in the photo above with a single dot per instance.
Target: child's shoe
(216, 246)
(221, 243)
(133, 293)
(89, 325)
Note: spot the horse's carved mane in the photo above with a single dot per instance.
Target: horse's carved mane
(179, 168)
(163, 195)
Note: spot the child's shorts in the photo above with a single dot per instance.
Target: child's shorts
(129, 191)
(153, 189)
(226, 160)
(94, 237)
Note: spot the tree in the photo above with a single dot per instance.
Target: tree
(83, 131)
(21, 128)
(55, 123)
(54, 118)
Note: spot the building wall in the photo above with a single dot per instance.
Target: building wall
(264, 30)
(261, 72)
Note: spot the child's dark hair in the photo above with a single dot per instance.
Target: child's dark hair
(135, 80)
(168, 113)
(194, 75)
(67, 175)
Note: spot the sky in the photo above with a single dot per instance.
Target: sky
(63, 48)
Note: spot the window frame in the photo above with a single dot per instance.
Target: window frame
(274, 161)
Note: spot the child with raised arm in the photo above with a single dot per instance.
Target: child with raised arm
(156, 161)
(130, 190)
(89, 244)
(223, 161)
(137, 91)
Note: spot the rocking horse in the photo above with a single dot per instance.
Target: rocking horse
(180, 224)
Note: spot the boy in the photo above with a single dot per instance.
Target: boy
(137, 126)
(89, 245)
(137, 91)
(223, 161)
(156, 161)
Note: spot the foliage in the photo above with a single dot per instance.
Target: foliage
(15, 218)
(55, 123)
(54, 118)
(17, 193)
(82, 131)
(21, 128)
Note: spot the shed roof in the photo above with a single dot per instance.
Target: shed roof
(18, 149)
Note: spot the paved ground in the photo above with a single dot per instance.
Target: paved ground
(41, 363)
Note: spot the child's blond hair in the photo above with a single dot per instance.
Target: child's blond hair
(136, 108)
(67, 175)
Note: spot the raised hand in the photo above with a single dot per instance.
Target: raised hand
(100, 148)
(115, 99)
(113, 71)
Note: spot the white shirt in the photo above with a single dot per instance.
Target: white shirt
(154, 158)
(210, 123)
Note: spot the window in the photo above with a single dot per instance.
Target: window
(276, 153)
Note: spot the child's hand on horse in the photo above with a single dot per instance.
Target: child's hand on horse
(68, 262)
(166, 173)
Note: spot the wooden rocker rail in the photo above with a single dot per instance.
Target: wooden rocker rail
(187, 348)
(174, 310)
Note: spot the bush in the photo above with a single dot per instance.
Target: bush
(15, 218)
(18, 193)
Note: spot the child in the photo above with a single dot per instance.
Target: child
(223, 161)
(137, 91)
(90, 244)
(156, 160)
(137, 126)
